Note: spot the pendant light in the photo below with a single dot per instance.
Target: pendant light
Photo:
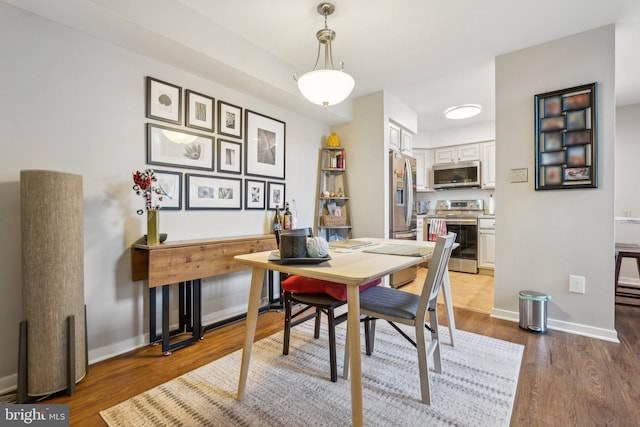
(325, 86)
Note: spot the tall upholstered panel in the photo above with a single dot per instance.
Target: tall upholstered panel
(52, 280)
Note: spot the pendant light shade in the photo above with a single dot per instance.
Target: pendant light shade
(325, 86)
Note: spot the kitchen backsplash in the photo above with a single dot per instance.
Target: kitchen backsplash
(464, 194)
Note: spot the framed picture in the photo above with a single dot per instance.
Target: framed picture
(199, 111)
(170, 184)
(178, 148)
(552, 106)
(255, 194)
(229, 120)
(275, 195)
(577, 137)
(264, 151)
(552, 158)
(566, 138)
(211, 192)
(552, 141)
(553, 175)
(164, 101)
(576, 120)
(229, 156)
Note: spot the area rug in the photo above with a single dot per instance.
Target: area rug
(476, 388)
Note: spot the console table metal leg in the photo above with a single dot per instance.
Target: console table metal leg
(153, 337)
(197, 310)
(165, 320)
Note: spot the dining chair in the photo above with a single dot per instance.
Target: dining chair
(321, 296)
(397, 306)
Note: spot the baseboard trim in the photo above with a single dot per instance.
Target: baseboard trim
(8, 383)
(562, 326)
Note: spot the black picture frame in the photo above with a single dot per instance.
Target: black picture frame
(164, 101)
(207, 192)
(566, 138)
(275, 195)
(229, 156)
(265, 145)
(199, 111)
(171, 184)
(196, 151)
(229, 120)
(255, 194)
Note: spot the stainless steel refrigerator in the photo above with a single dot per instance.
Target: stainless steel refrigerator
(402, 211)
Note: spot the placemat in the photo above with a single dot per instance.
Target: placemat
(349, 244)
(403, 250)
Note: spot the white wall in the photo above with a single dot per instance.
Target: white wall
(627, 202)
(544, 236)
(477, 132)
(366, 140)
(77, 104)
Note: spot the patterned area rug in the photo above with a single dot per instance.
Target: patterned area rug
(477, 386)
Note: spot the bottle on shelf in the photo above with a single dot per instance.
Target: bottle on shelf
(277, 224)
(286, 222)
(294, 215)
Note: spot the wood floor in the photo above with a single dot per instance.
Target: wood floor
(565, 380)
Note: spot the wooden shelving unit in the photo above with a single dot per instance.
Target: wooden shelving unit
(333, 216)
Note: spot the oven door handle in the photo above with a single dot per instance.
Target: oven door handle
(461, 222)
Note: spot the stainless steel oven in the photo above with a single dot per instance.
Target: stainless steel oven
(460, 217)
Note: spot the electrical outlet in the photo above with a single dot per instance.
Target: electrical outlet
(577, 284)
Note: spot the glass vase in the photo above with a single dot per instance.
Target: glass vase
(153, 227)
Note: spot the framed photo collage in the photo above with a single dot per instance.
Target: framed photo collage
(220, 164)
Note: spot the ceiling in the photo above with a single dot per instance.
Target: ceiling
(429, 54)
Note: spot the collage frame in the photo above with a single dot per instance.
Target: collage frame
(261, 155)
(566, 138)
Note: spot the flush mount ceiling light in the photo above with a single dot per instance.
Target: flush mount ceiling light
(325, 86)
(462, 111)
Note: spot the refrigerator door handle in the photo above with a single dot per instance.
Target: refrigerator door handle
(408, 206)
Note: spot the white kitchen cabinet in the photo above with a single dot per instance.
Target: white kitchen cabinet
(424, 160)
(489, 165)
(487, 243)
(394, 137)
(406, 142)
(457, 153)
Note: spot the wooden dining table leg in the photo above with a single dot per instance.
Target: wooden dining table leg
(448, 303)
(257, 280)
(353, 325)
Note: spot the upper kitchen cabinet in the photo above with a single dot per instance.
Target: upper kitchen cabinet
(400, 139)
(489, 165)
(394, 137)
(424, 160)
(457, 153)
(406, 142)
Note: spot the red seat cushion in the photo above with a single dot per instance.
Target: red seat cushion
(308, 285)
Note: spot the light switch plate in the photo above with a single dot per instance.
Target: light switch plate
(519, 175)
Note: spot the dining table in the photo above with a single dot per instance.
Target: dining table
(351, 267)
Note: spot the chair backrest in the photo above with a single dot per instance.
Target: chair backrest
(438, 266)
(308, 231)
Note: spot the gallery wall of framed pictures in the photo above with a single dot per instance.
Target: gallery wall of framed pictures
(218, 169)
(566, 138)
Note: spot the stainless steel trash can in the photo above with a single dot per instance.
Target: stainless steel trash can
(533, 311)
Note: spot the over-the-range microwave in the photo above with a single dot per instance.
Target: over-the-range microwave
(456, 175)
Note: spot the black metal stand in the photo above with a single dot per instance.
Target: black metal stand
(189, 317)
(22, 395)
